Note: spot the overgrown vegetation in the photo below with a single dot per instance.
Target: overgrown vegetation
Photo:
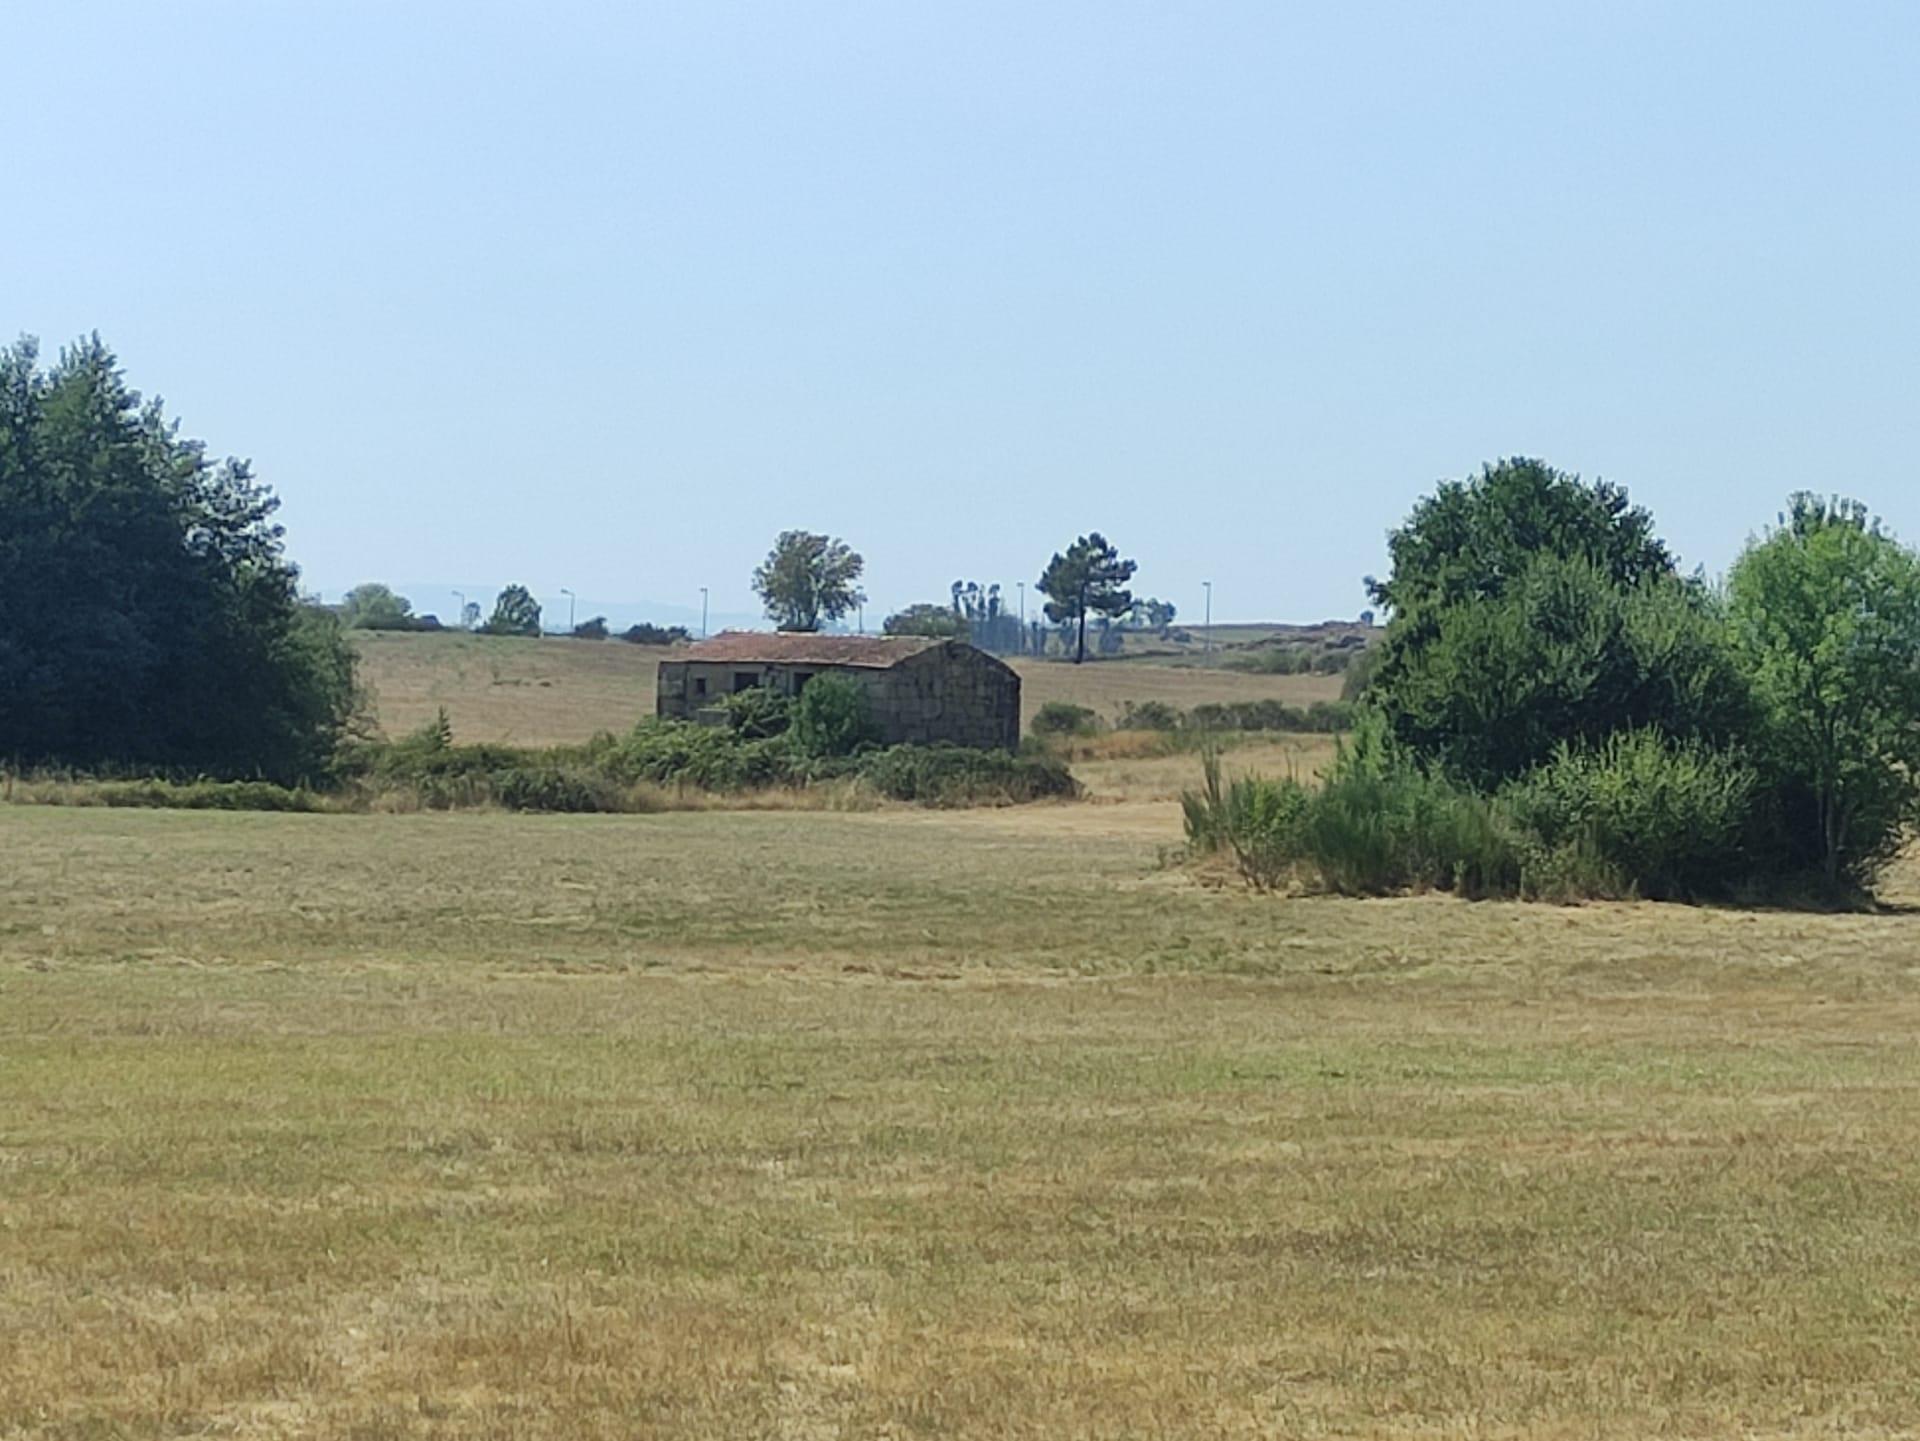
(1555, 711)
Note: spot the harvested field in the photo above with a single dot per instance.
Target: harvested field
(556, 691)
(975, 1124)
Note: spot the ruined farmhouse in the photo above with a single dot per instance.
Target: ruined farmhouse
(919, 690)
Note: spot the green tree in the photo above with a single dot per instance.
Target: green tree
(926, 618)
(1472, 538)
(148, 616)
(1529, 607)
(373, 606)
(1489, 687)
(1825, 612)
(807, 579)
(515, 612)
(1090, 578)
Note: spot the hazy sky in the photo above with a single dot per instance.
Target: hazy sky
(604, 296)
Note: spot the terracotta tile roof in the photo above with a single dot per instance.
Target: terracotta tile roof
(752, 647)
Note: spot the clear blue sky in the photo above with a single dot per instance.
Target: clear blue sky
(603, 296)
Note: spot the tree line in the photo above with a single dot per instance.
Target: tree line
(809, 580)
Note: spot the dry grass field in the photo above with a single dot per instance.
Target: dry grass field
(896, 1124)
(556, 691)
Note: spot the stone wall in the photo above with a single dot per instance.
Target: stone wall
(950, 693)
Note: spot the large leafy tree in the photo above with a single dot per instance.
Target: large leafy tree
(1473, 538)
(1089, 579)
(926, 618)
(1564, 654)
(1530, 607)
(374, 606)
(809, 579)
(515, 612)
(148, 616)
(1825, 612)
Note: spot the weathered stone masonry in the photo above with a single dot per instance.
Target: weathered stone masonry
(920, 690)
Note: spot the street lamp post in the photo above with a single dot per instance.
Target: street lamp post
(570, 600)
(703, 612)
(461, 596)
(1209, 585)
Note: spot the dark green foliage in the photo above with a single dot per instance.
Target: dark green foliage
(148, 616)
(1640, 815)
(647, 633)
(515, 612)
(939, 621)
(1089, 579)
(1063, 718)
(757, 712)
(1320, 718)
(807, 579)
(594, 629)
(832, 717)
(1671, 819)
(1151, 715)
(1359, 674)
(373, 606)
(194, 795)
(944, 775)
(1487, 688)
(1472, 539)
(712, 758)
(1825, 613)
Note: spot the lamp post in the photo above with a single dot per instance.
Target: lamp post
(461, 596)
(570, 599)
(1209, 585)
(703, 612)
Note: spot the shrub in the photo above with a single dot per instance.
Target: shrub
(1669, 819)
(194, 795)
(1322, 717)
(671, 752)
(757, 713)
(1151, 715)
(1378, 824)
(594, 629)
(1063, 718)
(555, 786)
(832, 717)
(945, 775)
(1488, 687)
(647, 633)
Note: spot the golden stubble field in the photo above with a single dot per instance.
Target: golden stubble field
(555, 691)
(916, 1124)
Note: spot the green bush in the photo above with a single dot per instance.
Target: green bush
(1669, 819)
(1151, 715)
(197, 795)
(1063, 718)
(757, 713)
(832, 717)
(1638, 815)
(714, 758)
(1322, 717)
(946, 775)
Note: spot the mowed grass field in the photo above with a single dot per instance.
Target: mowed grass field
(555, 691)
(897, 1124)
